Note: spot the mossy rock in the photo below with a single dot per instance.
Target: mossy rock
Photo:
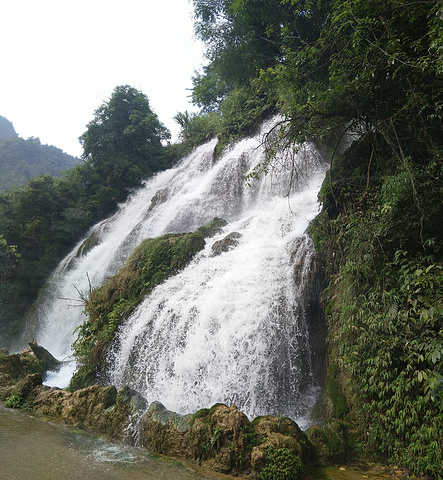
(212, 228)
(16, 367)
(332, 401)
(331, 442)
(226, 244)
(279, 433)
(22, 395)
(98, 409)
(92, 241)
(165, 432)
(212, 437)
(150, 264)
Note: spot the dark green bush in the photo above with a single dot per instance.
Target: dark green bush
(281, 464)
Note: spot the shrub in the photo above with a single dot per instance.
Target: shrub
(281, 464)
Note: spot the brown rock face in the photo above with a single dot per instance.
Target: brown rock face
(222, 438)
(213, 437)
(279, 432)
(98, 409)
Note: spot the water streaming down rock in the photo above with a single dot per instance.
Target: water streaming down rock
(229, 328)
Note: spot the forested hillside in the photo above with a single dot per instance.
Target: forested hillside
(369, 73)
(7, 129)
(21, 160)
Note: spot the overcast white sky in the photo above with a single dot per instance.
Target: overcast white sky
(61, 59)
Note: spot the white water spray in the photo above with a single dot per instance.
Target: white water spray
(229, 328)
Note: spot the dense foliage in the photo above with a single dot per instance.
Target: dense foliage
(281, 464)
(40, 222)
(368, 75)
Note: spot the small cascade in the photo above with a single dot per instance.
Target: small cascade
(233, 326)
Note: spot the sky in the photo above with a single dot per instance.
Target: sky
(61, 60)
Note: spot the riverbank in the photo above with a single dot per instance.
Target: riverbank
(218, 440)
(52, 450)
(80, 455)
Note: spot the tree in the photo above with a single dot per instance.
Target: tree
(123, 143)
(239, 43)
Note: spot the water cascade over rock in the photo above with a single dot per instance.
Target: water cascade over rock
(234, 325)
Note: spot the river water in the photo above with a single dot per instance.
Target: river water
(32, 448)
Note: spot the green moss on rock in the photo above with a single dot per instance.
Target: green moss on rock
(150, 264)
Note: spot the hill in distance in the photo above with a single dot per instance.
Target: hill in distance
(21, 160)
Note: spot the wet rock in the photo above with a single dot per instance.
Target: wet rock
(159, 197)
(98, 409)
(213, 437)
(223, 431)
(27, 385)
(221, 438)
(14, 368)
(228, 243)
(330, 441)
(48, 361)
(92, 241)
(166, 432)
(213, 227)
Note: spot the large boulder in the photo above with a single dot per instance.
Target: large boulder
(98, 409)
(222, 439)
(166, 432)
(16, 367)
(278, 433)
(212, 437)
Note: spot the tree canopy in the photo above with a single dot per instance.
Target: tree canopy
(123, 143)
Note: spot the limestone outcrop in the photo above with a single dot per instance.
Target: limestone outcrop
(15, 367)
(227, 243)
(222, 438)
(98, 409)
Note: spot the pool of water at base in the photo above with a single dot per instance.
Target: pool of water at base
(33, 448)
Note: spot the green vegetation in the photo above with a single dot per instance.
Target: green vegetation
(22, 160)
(368, 75)
(14, 401)
(365, 75)
(150, 264)
(39, 223)
(281, 464)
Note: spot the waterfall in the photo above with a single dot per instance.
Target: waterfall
(231, 327)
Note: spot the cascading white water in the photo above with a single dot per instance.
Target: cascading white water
(229, 328)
